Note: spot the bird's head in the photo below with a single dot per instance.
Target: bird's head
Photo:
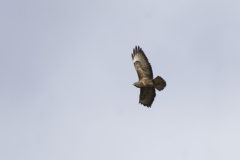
(136, 84)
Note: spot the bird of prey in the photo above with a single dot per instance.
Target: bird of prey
(146, 83)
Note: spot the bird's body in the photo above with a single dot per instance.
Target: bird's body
(146, 82)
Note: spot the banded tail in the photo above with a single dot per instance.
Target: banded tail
(159, 83)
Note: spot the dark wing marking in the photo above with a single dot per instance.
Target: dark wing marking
(139, 69)
(141, 64)
(147, 95)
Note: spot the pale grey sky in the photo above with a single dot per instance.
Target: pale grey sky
(66, 88)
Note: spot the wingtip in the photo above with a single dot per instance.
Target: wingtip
(136, 49)
(145, 105)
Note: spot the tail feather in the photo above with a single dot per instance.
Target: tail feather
(159, 83)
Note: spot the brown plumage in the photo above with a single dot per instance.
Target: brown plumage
(146, 83)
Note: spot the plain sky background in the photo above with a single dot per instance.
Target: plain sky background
(66, 80)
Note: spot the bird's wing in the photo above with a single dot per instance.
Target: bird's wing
(147, 95)
(141, 64)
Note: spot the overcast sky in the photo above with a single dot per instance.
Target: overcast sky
(66, 80)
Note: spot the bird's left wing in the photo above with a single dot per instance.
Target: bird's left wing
(141, 64)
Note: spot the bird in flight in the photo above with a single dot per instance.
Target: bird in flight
(146, 83)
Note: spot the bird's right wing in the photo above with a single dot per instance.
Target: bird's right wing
(147, 95)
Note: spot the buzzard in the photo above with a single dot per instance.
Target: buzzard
(146, 83)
